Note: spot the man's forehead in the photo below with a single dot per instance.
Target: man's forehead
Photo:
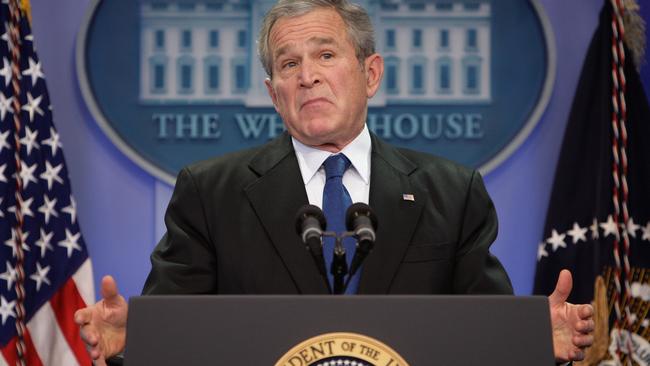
(311, 41)
(319, 23)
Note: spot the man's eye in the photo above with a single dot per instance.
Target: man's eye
(289, 64)
(327, 55)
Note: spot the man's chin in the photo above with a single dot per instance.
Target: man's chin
(319, 131)
(331, 141)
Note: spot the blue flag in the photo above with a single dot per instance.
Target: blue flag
(598, 221)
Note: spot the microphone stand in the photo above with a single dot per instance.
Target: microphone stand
(339, 267)
(363, 249)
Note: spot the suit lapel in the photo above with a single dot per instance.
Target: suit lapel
(397, 216)
(276, 197)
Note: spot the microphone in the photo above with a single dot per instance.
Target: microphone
(310, 224)
(362, 221)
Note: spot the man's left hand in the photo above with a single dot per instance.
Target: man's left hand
(572, 324)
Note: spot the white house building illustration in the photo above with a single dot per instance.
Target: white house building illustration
(198, 52)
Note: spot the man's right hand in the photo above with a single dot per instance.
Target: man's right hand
(103, 325)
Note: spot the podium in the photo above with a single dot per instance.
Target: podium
(263, 330)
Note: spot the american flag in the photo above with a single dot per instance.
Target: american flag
(45, 271)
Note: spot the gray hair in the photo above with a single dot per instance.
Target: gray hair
(356, 19)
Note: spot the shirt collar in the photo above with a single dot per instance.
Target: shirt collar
(358, 151)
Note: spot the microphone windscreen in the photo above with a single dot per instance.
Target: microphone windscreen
(307, 211)
(357, 210)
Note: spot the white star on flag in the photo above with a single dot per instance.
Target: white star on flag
(34, 71)
(3, 141)
(53, 141)
(2, 214)
(577, 233)
(646, 232)
(29, 140)
(9, 275)
(44, 242)
(48, 208)
(2, 173)
(609, 227)
(594, 229)
(6, 70)
(5, 106)
(71, 210)
(40, 276)
(51, 174)
(5, 36)
(27, 174)
(25, 208)
(556, 240)
(541, 251)
(632, 227)
(32, 106)
(11, 243)
(6, 309)
(70, 242)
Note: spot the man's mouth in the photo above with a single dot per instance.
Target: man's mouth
(314, 102)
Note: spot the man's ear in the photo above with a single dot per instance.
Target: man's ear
(274, 97)
(374, 65)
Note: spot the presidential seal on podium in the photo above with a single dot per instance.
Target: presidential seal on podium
(341, 349)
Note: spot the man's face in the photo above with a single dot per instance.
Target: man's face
(319, 87)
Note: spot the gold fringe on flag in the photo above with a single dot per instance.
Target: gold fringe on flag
(598, 351)
(26, 8)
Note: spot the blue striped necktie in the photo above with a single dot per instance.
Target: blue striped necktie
(336, 201)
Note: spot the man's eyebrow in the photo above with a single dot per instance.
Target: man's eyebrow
(322, 40)
(319, 41)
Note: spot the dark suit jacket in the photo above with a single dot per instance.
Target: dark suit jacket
(231, 228)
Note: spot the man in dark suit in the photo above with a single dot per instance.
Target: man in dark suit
(230, 220)
(247, 244)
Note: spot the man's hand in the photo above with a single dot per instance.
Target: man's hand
(103, 325)
(572, 324)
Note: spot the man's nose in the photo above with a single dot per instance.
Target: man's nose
(309, 74)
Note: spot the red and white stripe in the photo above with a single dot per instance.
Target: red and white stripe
(52, 337)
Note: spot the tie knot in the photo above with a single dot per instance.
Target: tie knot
(336, 165)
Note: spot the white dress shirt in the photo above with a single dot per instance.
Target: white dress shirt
(356, 179)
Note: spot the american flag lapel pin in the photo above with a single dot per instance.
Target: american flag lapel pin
(408, 197)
